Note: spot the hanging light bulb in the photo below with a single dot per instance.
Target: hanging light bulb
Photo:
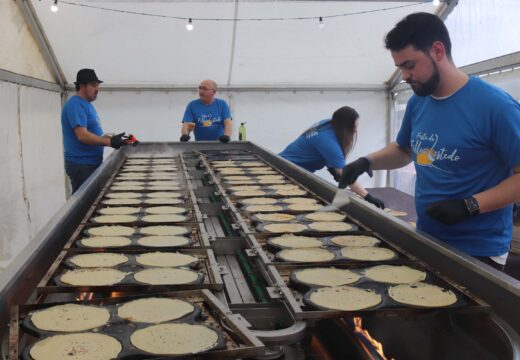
(321, 24)
(436, 2)
(189, 25)
(54, 7)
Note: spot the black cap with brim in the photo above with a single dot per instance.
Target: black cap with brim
(86, 76)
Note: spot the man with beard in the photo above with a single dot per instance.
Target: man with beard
(83, 138)
(464, 137)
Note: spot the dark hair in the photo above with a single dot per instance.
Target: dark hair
(344, 124)
(420, 30)
(77, 87)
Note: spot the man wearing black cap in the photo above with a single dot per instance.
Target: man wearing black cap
(83, 138)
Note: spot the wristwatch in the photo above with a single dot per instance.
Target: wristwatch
(472, 206)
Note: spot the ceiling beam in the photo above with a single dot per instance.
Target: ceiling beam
(241, 88)
(36, 28)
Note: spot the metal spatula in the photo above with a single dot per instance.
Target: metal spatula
(341, 199)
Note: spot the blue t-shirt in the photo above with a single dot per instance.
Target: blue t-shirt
(208, 119)
(79, 112)
(315, 148)
(461, 146)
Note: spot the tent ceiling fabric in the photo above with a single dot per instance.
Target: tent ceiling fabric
(141, 50)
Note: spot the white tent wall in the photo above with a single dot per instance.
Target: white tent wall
(32, 181)
(274, 118)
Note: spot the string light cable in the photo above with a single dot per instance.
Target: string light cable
(191, 19)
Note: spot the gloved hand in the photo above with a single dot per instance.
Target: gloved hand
(117, 141)
(185, 138)
(130, 139)
(373, 200)
(334, 173)
(448, 212)
(224, 138)
(352, 171)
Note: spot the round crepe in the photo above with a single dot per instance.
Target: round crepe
(344, 298)
(236, 177)
(115, 230)
(285, 228)
(164, 230)
(248, 193)
(162, 218)
(420, 294)
(395, 212)
(395, 274)
(263, 208)
(164, 188)
(154, 310)
(252, 164)
(155, 210)
(163, 241)
(325, 216)
(275, 217)
(306, 255)
(244, 188)
(174, 339)
(105, 241)
(163, 195)
(121, 201)
(284, 187)
(326, 276)
(127, 188)
(304, 207)
(163, 201)
(164, 183)
(270, 177)
(367, 253)
(70, 318)
(123, 195)
(166, 259)
(293, 241)
(299, 200)
(272, 181)
(291, 192)
(114, 219)
(83, 346)
(127, 183)
(119, 210)
(166, 276)
(259, 201)
(355, 240)
(97, 260)
(332, 226)
(92, 277)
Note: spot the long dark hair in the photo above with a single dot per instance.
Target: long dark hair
(344, 124)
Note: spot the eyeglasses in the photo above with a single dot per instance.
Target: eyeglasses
(205, 88)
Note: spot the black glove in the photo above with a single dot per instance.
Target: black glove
(117, 141)
(185, 138)
(224, 138)
(352, 171)
(334, 173)
(373, 200)
(448, 212)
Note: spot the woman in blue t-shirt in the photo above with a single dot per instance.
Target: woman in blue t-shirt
(327, 143)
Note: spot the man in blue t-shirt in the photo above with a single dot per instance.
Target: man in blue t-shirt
(208, 116)
(464, 137)
(83, 138)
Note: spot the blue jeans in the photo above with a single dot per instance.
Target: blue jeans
(78, 173)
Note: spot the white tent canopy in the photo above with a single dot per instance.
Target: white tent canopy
(133, 49)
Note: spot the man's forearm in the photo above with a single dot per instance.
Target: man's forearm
(501, 195)
(358, 189)
(390, 157)
(88, 138)
(228, 127)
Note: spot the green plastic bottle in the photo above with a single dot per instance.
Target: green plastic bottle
(242, 132)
